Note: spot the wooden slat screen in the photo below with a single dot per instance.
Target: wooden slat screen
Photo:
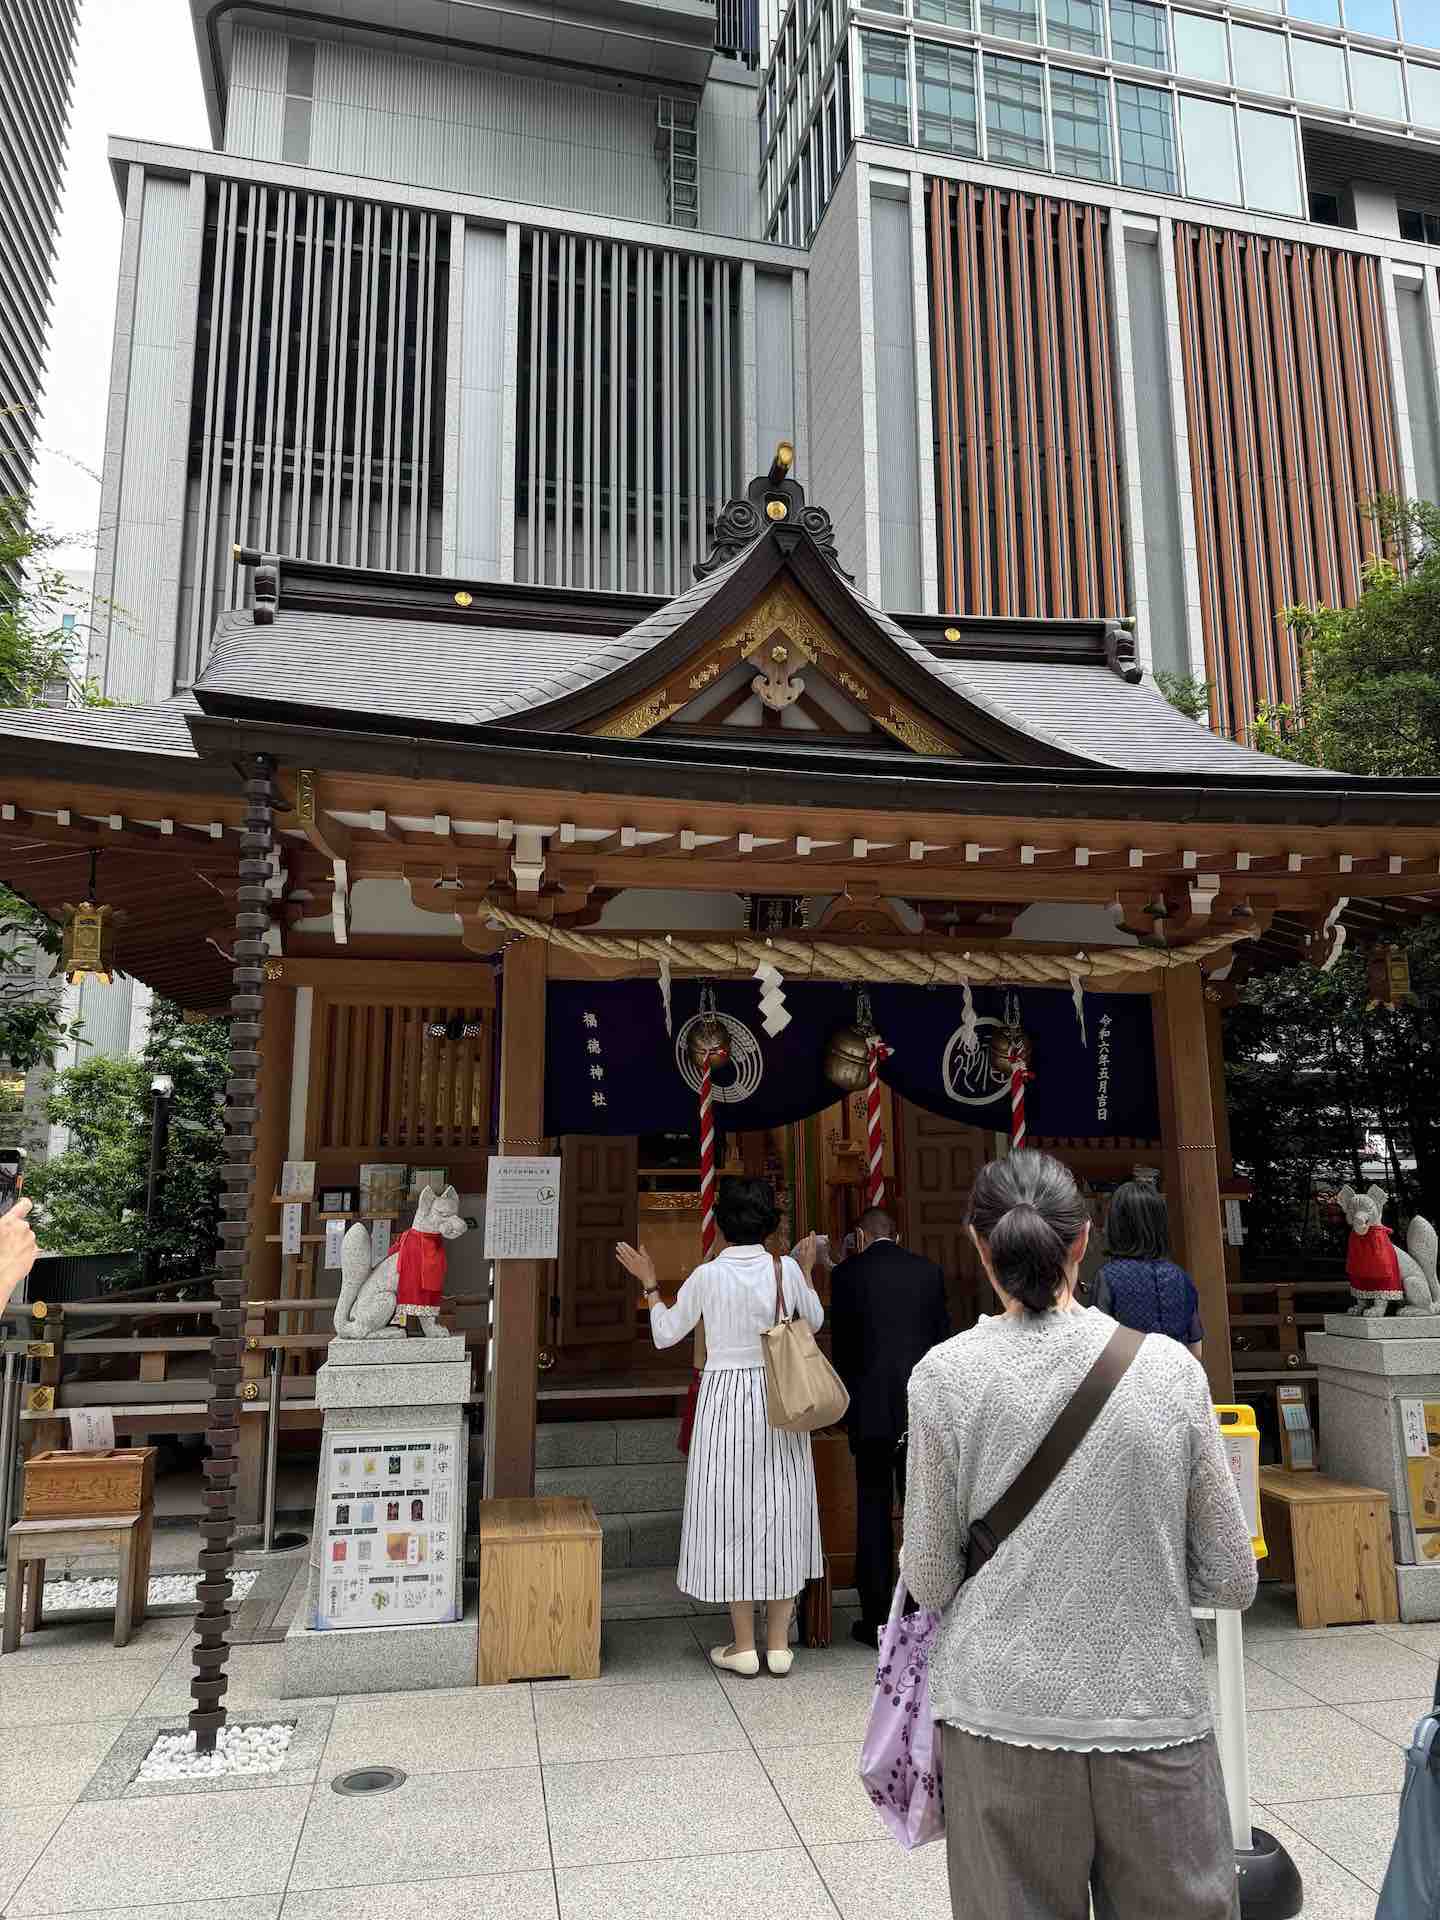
(1028, 498)
(386, 1081)
(1290, 408)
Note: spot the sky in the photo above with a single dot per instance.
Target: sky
(136, 73)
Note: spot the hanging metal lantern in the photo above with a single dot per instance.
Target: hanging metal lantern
(1387, 977)
(87, 950)
(847, 1059)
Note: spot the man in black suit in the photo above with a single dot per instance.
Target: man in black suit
(887, 1309)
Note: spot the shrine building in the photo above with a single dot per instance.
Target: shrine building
(468, 861)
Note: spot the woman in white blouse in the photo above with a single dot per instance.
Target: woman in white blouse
(751, 1529)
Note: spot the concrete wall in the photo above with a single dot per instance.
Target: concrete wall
(470, 128)
(838, 475)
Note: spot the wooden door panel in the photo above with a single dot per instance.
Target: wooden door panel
(598, 1180)
(942, 1157)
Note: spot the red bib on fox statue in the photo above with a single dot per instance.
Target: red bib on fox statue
(423, 1259)
(1372, 1266)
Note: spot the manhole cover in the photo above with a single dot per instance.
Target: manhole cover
(369, 1780)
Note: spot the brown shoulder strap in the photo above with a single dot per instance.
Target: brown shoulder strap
(1041, 1470)
(779, 1290)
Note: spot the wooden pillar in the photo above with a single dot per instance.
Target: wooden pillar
(512, 1369)
(1189, 1127)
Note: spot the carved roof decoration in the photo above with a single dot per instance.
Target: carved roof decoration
(771, 499)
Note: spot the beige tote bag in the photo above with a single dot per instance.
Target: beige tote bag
(804, 1391)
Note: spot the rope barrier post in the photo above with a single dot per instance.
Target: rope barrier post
(272, 1448)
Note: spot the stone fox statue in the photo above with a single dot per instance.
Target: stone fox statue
(378, 1302)
(1382, 1275)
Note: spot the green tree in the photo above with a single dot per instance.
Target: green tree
(1371, 672)
(35, 658)
(1311, 1071)
(91, 1198)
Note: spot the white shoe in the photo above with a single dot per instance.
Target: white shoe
(733, 1662)
(780, 1662)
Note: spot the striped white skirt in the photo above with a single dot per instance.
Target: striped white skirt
(751, 1529)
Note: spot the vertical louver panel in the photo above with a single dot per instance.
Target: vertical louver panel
(319, 386)
(1291, 417)
(1028, 498)
(626, 444)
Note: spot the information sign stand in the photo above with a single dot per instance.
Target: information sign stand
(1269, 1880)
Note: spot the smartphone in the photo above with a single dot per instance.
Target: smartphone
(12, 1176)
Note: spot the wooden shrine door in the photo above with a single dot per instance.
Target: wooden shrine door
(598, 1181)
(941, 1158)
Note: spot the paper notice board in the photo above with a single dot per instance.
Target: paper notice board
(390, 1536)
(1420, 1428)
(522, 1209)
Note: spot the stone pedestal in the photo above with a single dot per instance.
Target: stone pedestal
(384, 1607)
(1367, 1367)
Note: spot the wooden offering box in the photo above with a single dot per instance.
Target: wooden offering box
(72, 1486)
(539, 1590)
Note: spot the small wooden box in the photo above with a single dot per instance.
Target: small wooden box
(539, 1590)
(89, 1486)
(1333, 1541)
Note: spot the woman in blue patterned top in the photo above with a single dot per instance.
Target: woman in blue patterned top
(1139, 1284)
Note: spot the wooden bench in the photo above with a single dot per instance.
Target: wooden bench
(1333, 1541)
(539, 1590)
(32, 1542)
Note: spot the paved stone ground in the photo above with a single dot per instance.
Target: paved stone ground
(659, 1792)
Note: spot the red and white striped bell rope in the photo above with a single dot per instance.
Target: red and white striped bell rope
(707, 1166)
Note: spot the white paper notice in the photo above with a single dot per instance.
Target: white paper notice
(389, 1512)
(290, 1228)
(379, 1241)
(297, 1180)
(92, 1429)
(1412, 1425)
(522, 1209)
(334, 1241)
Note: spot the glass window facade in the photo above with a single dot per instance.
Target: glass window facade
(1207, 146)
(1200, 50)
(1424, 93)
(946, 115)
(1011, 19)
(1259, 57)
(886, 71)
(1376, 85)
(1319, 72)
(1271, 160)
(1137, 34)
(1015, 112)
(1080, 118)
(1146, 117)
(1024, 105)
(1077, 26)
(1372, 16)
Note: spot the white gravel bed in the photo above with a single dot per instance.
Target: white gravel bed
(258, 1749)
(166, 1589)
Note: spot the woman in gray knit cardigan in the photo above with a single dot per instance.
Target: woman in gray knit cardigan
(1076, 1726)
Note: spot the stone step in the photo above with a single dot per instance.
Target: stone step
(646, 1487)
(607, 1443)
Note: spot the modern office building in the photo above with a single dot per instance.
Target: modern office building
(1069, 306)
(37, 56)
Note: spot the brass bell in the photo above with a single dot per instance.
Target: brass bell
(847, 1062)
(1005, 1044)
(708, 1045)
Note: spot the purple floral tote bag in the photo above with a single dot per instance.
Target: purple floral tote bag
(900, 1760)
